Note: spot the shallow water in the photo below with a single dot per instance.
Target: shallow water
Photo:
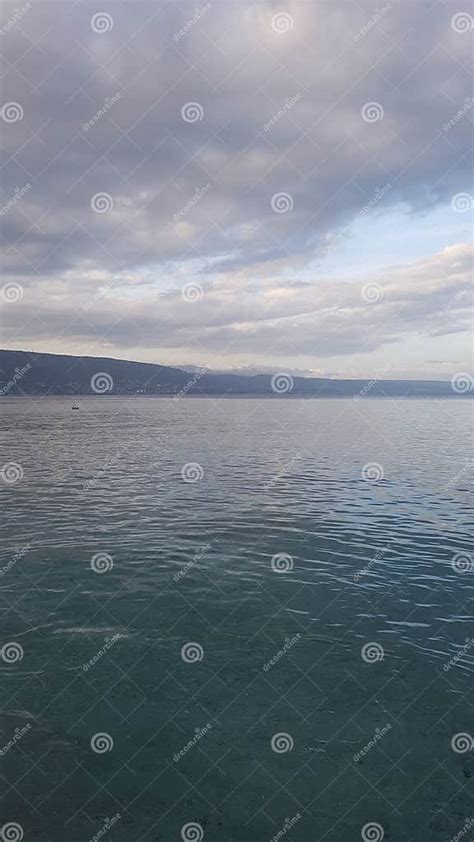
(281, 563)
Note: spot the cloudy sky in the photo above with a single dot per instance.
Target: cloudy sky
(274, 185)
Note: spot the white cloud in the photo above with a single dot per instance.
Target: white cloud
(320, 152)
(242, 319)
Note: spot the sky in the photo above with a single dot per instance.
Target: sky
(253, 186)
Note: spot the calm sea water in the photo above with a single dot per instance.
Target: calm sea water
(281, 648)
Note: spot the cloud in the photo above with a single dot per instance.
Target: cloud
(280, 112)
(324, 317)
(321, 152)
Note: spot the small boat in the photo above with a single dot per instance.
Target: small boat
(75, 406)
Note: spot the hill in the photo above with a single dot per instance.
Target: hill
(30, 373)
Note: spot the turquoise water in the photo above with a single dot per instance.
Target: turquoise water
(281, 648)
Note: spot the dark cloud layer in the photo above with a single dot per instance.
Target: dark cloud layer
(282, 93)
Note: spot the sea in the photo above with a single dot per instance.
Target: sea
(236, 620)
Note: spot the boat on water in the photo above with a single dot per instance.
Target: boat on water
(75, 406)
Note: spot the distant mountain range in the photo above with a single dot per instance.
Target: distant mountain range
(31, 373)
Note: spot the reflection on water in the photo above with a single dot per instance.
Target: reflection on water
(319, 556)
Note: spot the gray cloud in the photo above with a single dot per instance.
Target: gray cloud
(281, 113)
(324, 317)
